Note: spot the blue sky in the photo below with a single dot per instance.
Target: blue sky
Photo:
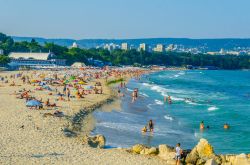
(80, 19)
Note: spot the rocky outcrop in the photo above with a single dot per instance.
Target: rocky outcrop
(149, 151)
(241, 159)
(144, 150)
(97, 141)
(138, 148)
(211, 162)
(166, 152)
(201, 153)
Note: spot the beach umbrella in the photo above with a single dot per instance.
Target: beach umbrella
(34, 81)
(81, 83)
(33, 103)
(72, 78)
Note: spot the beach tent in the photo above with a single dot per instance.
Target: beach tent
(33, 103)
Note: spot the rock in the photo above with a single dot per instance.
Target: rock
(165, 149)
(138, 148)
(202, 152)
(211, 162)
(192, 157)
(166, 152)
(201, 161)
(241, 160)
(171, 162)
(97, 141)
(204, 149)
(149, 151)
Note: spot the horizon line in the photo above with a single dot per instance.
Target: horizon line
(56, 38)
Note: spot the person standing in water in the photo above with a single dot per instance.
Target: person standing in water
(178, 152)
(169, 100)
(133, 96)
(165, 99)
(151, 125)
(202, 126)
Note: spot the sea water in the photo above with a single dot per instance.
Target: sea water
(215, 97)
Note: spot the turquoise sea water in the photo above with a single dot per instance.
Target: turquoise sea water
(217, 97)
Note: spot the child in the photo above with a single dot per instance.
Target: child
(178, 153)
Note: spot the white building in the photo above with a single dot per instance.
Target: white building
(124, 46)
(159, 48)
(1, 51)
(170, 47)
(34, 60)
(110, 47)
(74, 45)
(143, 47)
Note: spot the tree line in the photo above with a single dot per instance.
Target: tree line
(121, 57)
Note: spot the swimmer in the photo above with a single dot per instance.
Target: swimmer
(169, 100)
(226, 126)
(144, 129)
(202, 126)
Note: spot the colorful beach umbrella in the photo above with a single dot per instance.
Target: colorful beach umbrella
(81, 82)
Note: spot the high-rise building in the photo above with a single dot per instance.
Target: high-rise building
(124, 46)
(170, 47)
(110, 47)
(143, 47)
(159, 48)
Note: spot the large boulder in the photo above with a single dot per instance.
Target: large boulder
(166, 152)
(192, 157)
(149, 151)
(201, 153)
(211, 162)
(138, 148)
(204, 149)
(241, 160)
(97, 141)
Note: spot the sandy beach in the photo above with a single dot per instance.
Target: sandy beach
(27, 137)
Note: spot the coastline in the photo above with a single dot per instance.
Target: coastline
(41, 139)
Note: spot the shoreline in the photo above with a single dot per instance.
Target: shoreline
(29, 137)
(41, 139)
